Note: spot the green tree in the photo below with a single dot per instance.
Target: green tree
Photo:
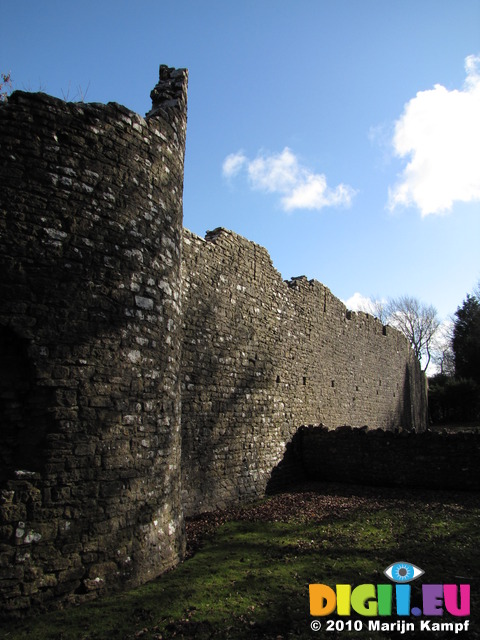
(466, 339)
(453, 400)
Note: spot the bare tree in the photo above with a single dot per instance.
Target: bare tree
(5, 86)
(476, 291)
(375, 307)
(380, 309)
(417, 321)
(442, 350)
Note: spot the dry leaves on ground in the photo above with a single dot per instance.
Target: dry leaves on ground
(320, 500)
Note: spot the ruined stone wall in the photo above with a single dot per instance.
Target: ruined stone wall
(137, 385)
(262, 356)
(90, 251)
(389, 459)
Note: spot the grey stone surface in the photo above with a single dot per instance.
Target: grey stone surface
(90, 324)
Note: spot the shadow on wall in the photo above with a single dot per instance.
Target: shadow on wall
(408, 412)
(220, 454)
(88, 364)
(291, 469)
(25, 419)
(415, 401)
(51, 371)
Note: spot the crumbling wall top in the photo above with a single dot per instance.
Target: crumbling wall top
(170, 91)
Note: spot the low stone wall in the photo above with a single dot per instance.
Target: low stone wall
(385, 458)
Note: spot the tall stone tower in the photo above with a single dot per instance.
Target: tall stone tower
(90, 251)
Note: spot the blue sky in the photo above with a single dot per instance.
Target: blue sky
(342, 135)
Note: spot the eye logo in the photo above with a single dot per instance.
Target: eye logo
(403, 572)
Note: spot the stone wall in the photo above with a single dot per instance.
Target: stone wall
(262, 356)
(384, 458)
(90, 322)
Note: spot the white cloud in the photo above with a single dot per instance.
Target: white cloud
(233, 164)
(359, 302)
(282, 173)
(313, 193)
(375, 306)
(275, 173)
(439, 131)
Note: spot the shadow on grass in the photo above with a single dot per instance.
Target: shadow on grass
(250, 578)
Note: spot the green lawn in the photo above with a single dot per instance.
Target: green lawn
(249, 579)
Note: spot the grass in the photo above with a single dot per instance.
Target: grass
(250, 578)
